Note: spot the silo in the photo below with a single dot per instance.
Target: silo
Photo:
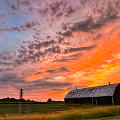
(21, 94)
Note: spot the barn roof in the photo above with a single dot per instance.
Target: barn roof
(98, 91)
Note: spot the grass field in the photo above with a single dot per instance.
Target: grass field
(57, 112)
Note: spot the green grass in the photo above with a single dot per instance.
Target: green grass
(32, 108)
(57, 112)
(38, 108)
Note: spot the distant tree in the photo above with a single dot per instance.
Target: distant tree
(28, 100)
(49, 100)
(7, 99)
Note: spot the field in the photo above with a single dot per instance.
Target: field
(57, 112)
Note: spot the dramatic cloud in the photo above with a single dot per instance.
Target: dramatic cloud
(61, 69)
(79, 49)
(52, 46)
(95, 18)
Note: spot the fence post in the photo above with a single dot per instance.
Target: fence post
(96, 100)
(92, 100)
(113, 101)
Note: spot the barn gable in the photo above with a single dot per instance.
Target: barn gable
(99, 91)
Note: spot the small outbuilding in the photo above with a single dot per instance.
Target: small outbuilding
(99, 95)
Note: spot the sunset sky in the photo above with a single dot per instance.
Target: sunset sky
(48, 47)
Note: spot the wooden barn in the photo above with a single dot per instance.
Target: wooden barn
(99, 95)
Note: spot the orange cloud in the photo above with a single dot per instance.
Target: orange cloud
(97, 66)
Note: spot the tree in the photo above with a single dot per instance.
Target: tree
(49, 100)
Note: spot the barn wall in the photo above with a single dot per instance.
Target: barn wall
(95, 100)
(67, 100)
(104, 100)
(116, 96)
(78, 100)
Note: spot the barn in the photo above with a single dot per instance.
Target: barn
(99, 95)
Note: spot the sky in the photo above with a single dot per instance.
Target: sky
(49, 47)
